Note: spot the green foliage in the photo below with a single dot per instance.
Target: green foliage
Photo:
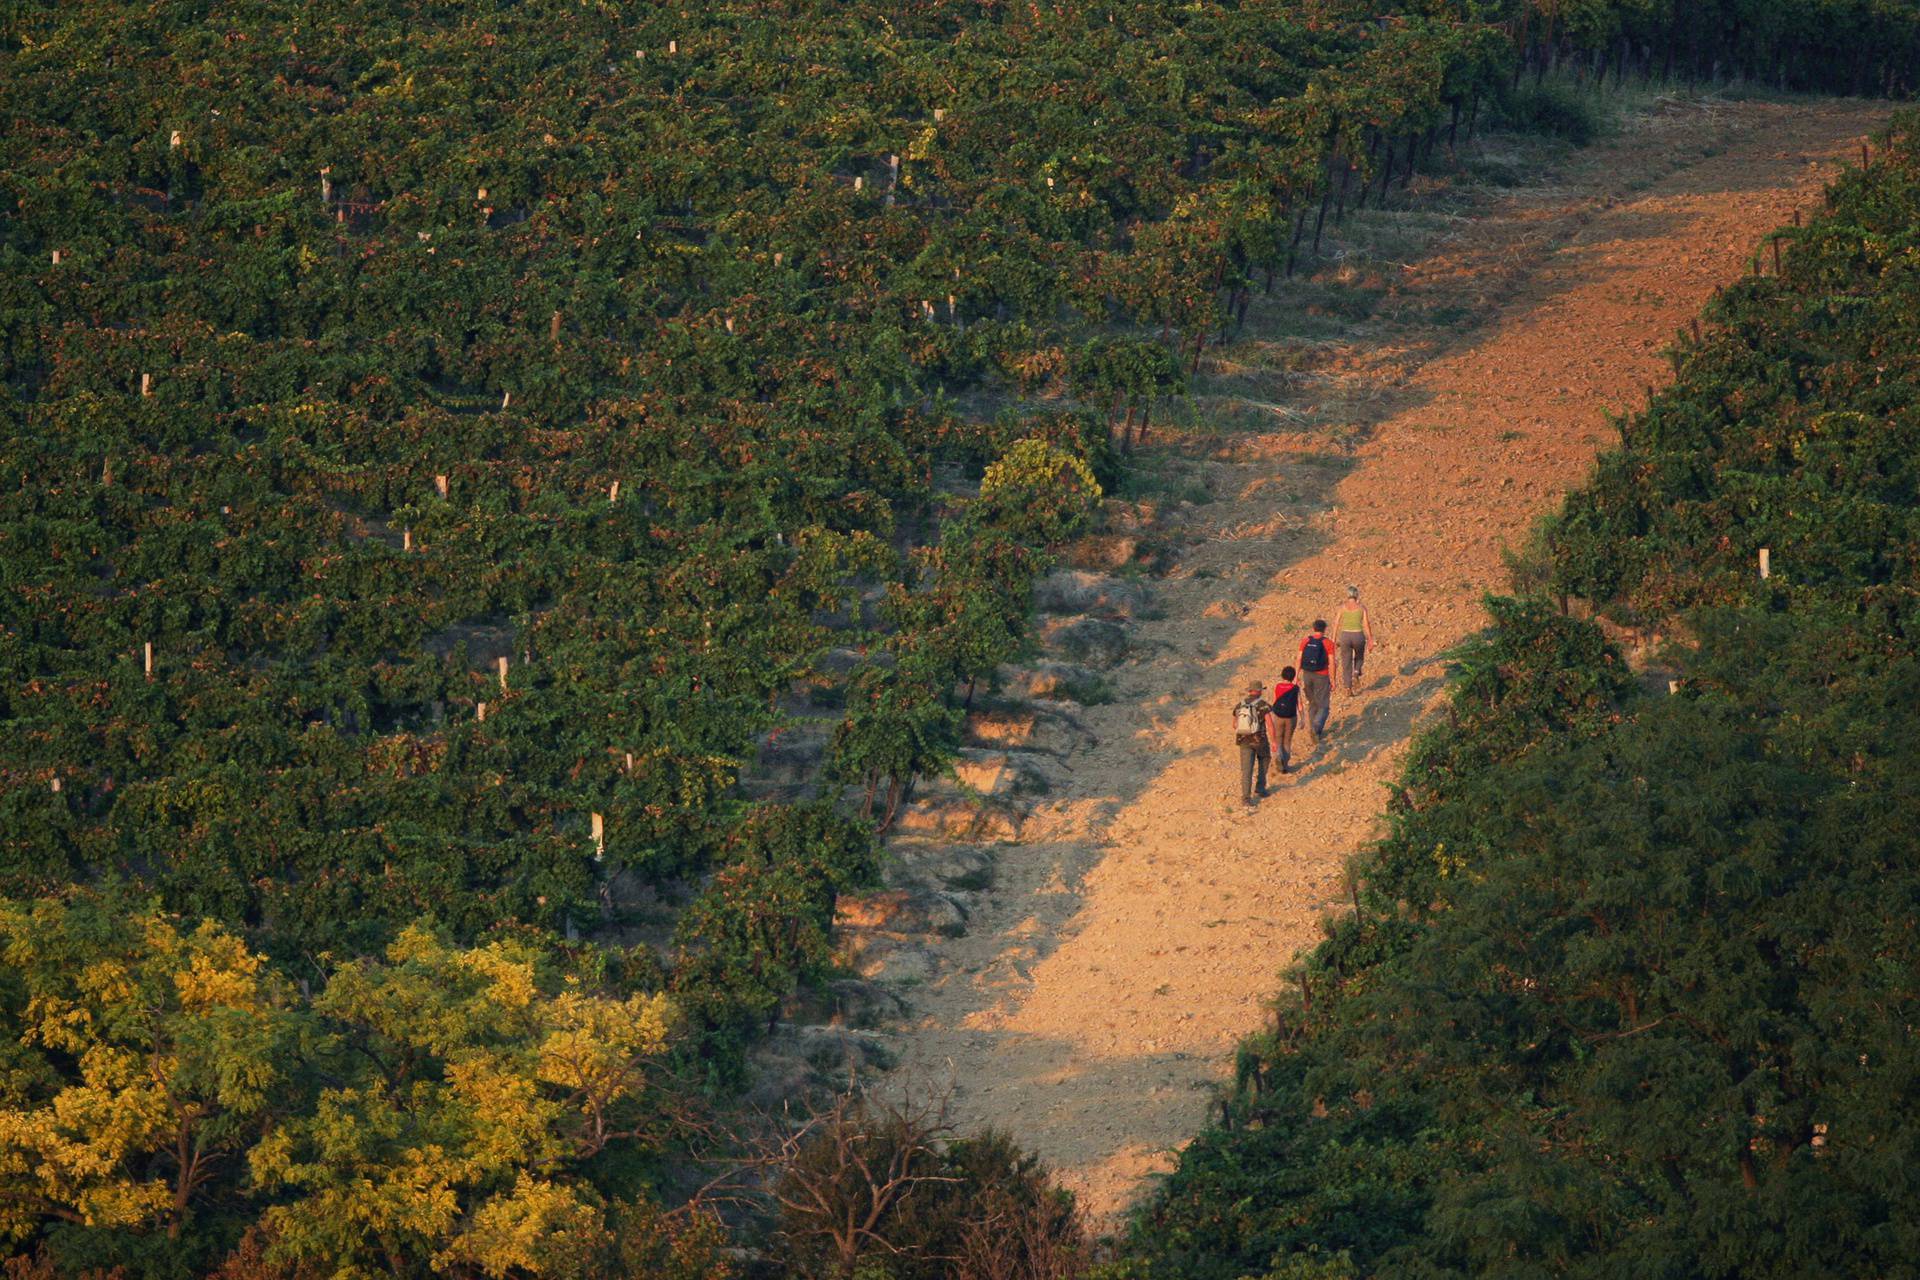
(1553, 107)
(1038, 492)
(1536, 676)
(763, 924)
(345, 362)
(1832, 46)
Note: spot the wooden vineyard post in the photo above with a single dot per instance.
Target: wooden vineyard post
(1673, 686)
(777, 258)
(173, 140)
(56, 257)
(1696, 331)
(673, 46)
(503, 673)
(146, 384)
(858, 182)
(629, 762)
(56, 786)
(406, 539)
(506, 398)
(1866, 154)
(326, 188)
(553, 329)
(440, 484)
(599, 837)
(1766, 563)
(613, 492)
(146, 658)
(480, 712)
(1776, 255)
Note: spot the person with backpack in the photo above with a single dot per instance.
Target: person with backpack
(1284, 717)
(1250, 735)
(1316, 680)
(1352, 634)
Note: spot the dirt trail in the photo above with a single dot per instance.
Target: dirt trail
(1141, 926)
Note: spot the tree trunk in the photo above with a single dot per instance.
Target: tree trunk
(896, 792)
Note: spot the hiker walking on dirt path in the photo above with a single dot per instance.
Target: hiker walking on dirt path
(1316, 662)
(1352, 634)
(1284, 717)
(1250, 734)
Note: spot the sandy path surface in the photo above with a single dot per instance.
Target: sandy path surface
(1144, 922)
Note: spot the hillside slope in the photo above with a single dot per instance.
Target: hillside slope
(1139, 930)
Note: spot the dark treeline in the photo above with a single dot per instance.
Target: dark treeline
(1829, 46)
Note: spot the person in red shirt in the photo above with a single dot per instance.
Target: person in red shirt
(1283, 718)
(1316, 677)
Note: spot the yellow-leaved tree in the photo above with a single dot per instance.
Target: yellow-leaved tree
(475, 1081)
(136, 1059)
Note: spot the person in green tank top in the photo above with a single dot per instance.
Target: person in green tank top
(1352, 633)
